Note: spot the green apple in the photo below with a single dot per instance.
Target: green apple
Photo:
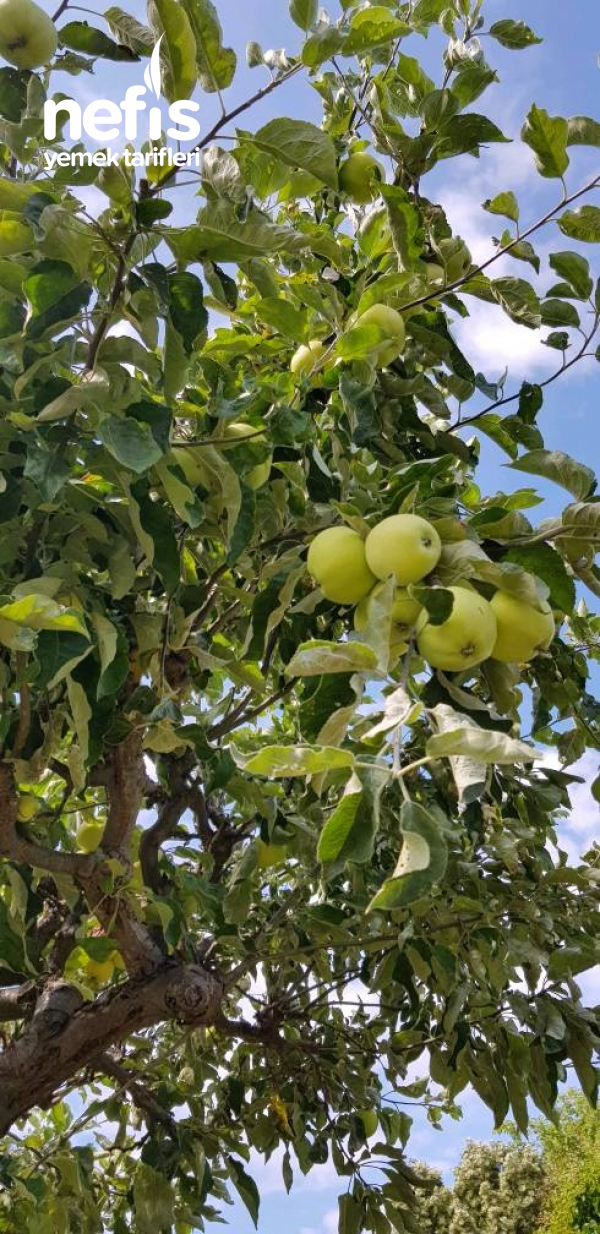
(435, 274)
(88, 836)
(28, 37)
(258, 475)
(360, 177)
(465, 639)
(307, 357)
(523, 630)
(16, 236)
(456, 258)
(405, 610)
(404, 545)
(337, 562)
(28, 805)
(392, 326)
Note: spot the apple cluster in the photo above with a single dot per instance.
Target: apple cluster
(351, 570)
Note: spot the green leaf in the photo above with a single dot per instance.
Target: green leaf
(575, 270)
(300, 145)
(561, 468)
(405, 225)
(582, 131)
(47, 468)
(438, 601)
(130, 442)
(170, 21)
(560, 313)
(583, 519)
(470, 774)
(371, 28)
(505, 204)
(223, 236)
(153, 1200)
(304, 13)
(519, 301)
(279, 762)
(581, 224)
(544, 561)
(129, 32)
(350, 1215)
(246, 1188)
(39, 612)
(186, 308)
(80, 36)
(319, 656)
(464, 134)
(482, 745)
(514, 34)
(321, 46)
(216, 63)
(334, 838)
(547, 137)
(421, 864)
(55, 295)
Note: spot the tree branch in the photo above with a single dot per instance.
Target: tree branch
(512, 398)
(15, 848)
(226, 119)
(18, 1002)
(63, 6)
(65, 1035)
(126, 784)
(440, 292)
(141, 1097)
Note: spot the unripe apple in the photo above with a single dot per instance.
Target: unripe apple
(456, 258)
(404, 545)
(434, 273)
(404, 612)
(28, 805)
(28, 37)
(337, 562)
(360, 177)
(259, 474)
(306, 358)
(16, 236)
(100, 971)
(391, 324)
(465, 639)
(88, 836)
(523, 630)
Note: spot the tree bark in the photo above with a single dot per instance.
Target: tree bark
(66, 1034)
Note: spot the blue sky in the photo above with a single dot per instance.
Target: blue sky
(561, 75)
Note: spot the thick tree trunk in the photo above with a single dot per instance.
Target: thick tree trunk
(65, 1034)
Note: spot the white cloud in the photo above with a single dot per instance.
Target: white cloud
(330, 1221)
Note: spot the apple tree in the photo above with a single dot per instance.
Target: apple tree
(269, 850)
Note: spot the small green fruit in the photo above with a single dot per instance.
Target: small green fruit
(306, 358)
(391, 324)
(258, 475)
(404, 545)
(88, 836)
(337, 562)
(465, 639)
(28, 36)
(360, 176)
(523, 631)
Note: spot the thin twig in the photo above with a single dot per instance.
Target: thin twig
(226, 118)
